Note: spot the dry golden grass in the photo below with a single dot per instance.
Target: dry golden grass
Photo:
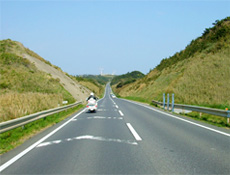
(13, 104)
(206, 81)
(25, 90)
(198, 75)
(97, 89)
(201, 80)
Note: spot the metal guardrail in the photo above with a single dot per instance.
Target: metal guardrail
(218, 112)
(15, 123)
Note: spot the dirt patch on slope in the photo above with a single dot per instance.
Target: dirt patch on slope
(78, 91)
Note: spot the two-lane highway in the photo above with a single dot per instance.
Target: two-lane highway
(123, 137)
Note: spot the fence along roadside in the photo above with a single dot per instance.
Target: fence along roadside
(12, 124)
(218, 112)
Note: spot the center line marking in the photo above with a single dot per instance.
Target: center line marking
(121, 113)
(137, 137)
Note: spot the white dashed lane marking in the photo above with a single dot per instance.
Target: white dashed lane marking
(121, 113)
(137, 137)
(101, 117)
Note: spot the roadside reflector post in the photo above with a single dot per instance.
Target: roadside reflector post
(164, 101)
(172, 102)
(168, 102)
(228, 115)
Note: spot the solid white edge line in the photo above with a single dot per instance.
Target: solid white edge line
(14, 159)
(121, 113)
(137, 137)
(170, 115)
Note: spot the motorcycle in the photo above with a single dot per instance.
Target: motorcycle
(92, 105)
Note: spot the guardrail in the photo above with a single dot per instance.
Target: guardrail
(15, 123)
(218, 112)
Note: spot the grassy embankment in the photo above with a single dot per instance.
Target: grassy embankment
(23, 88)
(96, 83)
(13, 138)
(198, 75)
(93, 85)
(122, 80)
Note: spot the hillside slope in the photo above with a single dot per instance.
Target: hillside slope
(197, 75)
(28, 83)
(75, 89)
(121, 80)
(96, 83)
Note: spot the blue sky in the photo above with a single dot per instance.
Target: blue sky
(119, 36)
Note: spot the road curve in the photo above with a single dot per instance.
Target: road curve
(123, 137)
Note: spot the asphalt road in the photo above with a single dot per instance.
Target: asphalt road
(123, 137)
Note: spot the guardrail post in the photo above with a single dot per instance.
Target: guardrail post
(228, 116)
(172, 102)
(164, 101)
(168, 102)
(21, 122)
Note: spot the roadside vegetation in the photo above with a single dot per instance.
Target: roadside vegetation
(121, 80)
(23, 88)
(198, 75)
(96, 83)
(17, 48)
(211, 119)
(101, 79)
(212, 41)
(13, 138)
(207, 118)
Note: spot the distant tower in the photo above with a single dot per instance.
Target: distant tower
(101, 71)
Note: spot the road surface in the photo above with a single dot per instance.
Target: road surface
(123, 137)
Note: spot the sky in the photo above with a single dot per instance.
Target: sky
(86, 36)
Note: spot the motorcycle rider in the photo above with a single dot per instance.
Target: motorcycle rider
(92, 96)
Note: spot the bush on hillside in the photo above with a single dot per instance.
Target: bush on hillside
(127, 78)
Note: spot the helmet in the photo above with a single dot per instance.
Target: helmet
(92, 93)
